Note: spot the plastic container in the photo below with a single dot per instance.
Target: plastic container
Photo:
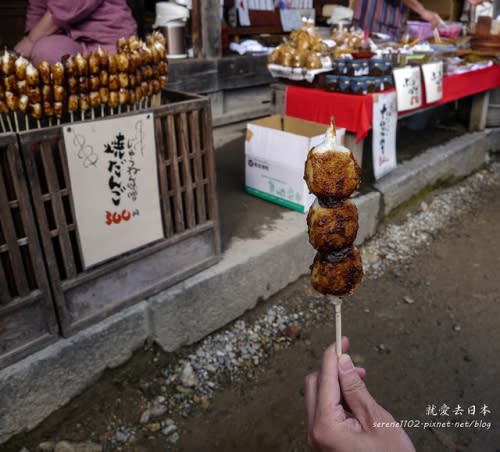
(357, 68)
(331, 82)
(175, 39)
(419, 29)
(450, 30)
(379, 66)
(344, 84)
(375, 84)
(359, 85)
(388, 82)
(341, 66)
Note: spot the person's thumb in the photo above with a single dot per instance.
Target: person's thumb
(356, 395)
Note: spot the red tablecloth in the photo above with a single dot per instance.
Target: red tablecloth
(354, 112)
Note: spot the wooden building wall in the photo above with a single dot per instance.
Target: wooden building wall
(12, 15)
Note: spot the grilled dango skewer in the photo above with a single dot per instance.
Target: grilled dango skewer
(44, 72)
(70, 67)
(32, 75)
(22, 87)
(94, 83)
(8, 63)
(48, 93)
(82, 65)
(10, 83)
(58, 73)
(94, 64)
(72, 84)
(59, 93)
(21, 64)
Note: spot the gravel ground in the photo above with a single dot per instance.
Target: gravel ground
(162, 402)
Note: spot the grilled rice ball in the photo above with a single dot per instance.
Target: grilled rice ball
(331, 229)
(337, 273)
(332, 174)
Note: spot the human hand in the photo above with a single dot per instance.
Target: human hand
(430, 16)
(24, 47)
(330, 429)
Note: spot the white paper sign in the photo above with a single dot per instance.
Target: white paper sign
(112, 167)
(261, 5)
(433, 81)
(291, 19)
(385, 120)
(408, 87)
(243, 13)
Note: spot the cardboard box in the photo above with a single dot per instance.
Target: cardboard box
(276, 148)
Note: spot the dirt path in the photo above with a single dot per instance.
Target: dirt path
(441, 349)
(427, 332)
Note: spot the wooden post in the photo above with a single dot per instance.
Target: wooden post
(210, 29)
(196, 35)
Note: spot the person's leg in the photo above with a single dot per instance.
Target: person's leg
(53, 48)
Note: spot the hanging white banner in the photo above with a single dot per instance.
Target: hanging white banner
(243, 14)
(408, 87)
(385, 120)
(114, 181)
(433, 81)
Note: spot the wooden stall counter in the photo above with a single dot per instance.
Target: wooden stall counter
(355, 112)
(35, 291)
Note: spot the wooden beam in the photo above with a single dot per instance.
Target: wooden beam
(211, 29)
(196, 27)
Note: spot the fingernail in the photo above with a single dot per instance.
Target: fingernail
(345, 363)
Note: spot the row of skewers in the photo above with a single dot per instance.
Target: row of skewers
(95, 85)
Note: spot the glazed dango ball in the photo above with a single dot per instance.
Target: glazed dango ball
(331, 172)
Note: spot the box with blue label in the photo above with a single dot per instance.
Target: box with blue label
(276, 148)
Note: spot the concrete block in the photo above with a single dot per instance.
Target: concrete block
(216, 102)
(369, 211)
(493, 139)
(458, 157)
(250, 270)
(33, 388)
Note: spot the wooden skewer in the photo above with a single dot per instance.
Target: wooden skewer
(16, 122)
(338, 326)
(10, 123)
(338, 323)
(71, 117)
(27, 122)
(3, 124)
(38, 124)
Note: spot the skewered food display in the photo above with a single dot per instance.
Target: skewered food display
(332, 174)
(98, 84)
(304, 48)
(302, 55)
